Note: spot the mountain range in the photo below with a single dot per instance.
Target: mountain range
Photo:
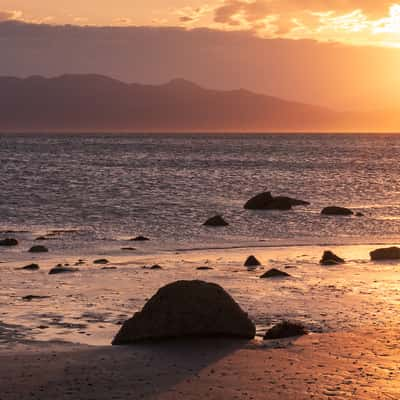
(85, 103)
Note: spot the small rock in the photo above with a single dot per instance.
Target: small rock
(329, 258)
(389, 253)
(31, 297)
(108, 268)
(156, 266)
(216, 221)
(274, 273)
(203, 268)
(128, 248)
(265, 201)
(336, 211)
(41, 238)
(285, 329)
(62, 270)
(360, 214)
(101, 261)
(140, 239)
(252, 262)
(9, 242)
(38, 249)
(31, 267)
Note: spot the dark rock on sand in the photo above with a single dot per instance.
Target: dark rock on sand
(285, 329)
(330, 258)
(41, 238)
(31, 297)
(109, 268)
(140, 239)
(275, 273)
(9, 242)
(389, 253)
(204, 268)
(216, 221)
(31, 267)
(156, 266)
(128, 248)
(336, 211)
(187, 309)
(38, 249)
(360, 214)
(265, 201)
(62, 270)
(252, 262)
(101, 261)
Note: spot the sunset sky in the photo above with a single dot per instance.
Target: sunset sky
(342, 54)
(351, 21)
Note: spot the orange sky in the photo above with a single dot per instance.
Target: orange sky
(366, 22)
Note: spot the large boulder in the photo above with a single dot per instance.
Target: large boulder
(265, 201)
(336, 211)
(389, 253)
(330, 258)
(216, 221)
(187, 309)
(9, 242)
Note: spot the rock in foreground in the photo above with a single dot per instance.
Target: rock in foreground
(330, 258)
(265, 201)
(275, 273)
(187, 309)
(336, 211)
(390, 253)
(31, 267)
(285, 329)
(216, 221)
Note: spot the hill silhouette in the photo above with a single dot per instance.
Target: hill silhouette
(99, 103)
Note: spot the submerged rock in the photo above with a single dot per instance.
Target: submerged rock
(252, 262)
(187, 309)
(216, 221)
(9, 242)
(101, 261)
(62, 270)
(140, 239)
(285, 329)
(389, 253)
(336, 211)
(38, 249)
(330, 258)
(31, 267)
(265, 201)
(275, 273)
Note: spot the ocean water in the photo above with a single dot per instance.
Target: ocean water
(100, 189)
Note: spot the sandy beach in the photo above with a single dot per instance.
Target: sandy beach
(358, 365)
(58, 346)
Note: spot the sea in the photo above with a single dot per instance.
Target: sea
(100, 188)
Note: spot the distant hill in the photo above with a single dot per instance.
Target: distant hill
(98, 103)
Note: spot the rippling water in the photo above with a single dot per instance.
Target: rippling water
(117, 186)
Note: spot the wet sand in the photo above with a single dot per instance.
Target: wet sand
(358, 365)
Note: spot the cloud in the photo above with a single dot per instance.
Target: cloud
(190, 15)
(287, 15)
(10, 15)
